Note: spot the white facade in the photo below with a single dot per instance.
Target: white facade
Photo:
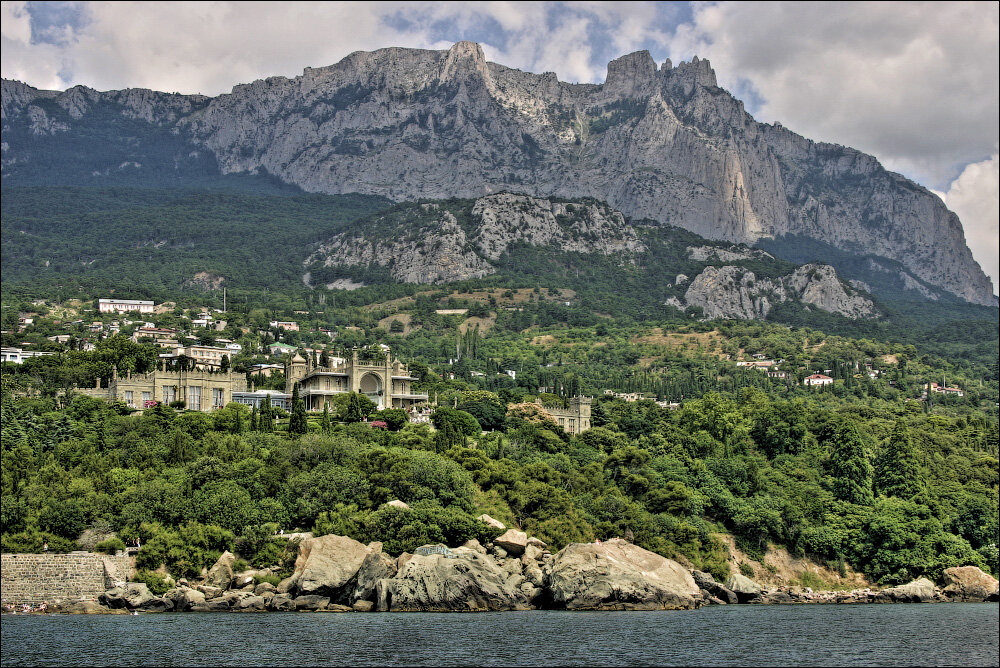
(123, 306)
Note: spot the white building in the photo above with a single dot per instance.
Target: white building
(17, 355)
(123, 306)
(817, 379)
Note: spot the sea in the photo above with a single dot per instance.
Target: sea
(749, 635)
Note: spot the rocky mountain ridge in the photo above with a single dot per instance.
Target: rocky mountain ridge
(455, 240)
(657, 142)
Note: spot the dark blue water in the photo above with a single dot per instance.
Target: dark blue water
(825, 635)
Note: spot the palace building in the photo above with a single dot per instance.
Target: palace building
(382, 379)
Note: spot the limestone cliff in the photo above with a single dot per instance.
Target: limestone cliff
(426, 244)
(657, 142)
(733, 292)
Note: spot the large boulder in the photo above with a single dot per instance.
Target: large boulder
(87, 608)
(496, 524)
(746, 590)
(920, 590)
(184, 598)
(969, 583)
(709, 584)
(376, 566)
(440, 583)
(132, 595)
(617, 575)
(221, 574)
(325, 565)
(513, 542)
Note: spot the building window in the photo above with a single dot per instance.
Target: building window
(169, 394)
(194, 397)
(129, 398)
(146, 398)
(218, 400)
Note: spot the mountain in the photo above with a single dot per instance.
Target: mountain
(662, 143)
(462, 239)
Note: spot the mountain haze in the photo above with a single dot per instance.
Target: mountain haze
(661, 142)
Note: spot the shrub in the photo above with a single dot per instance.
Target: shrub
(110, 546)
(747, 570)
(158, 584)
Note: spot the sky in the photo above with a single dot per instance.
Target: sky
(915, 84)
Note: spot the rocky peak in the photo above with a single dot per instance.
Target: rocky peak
(465, 59)
(631, 74)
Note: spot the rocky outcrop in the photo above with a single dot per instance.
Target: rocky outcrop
(920, 590)
(468, 582)
(513, 541)
(969, 583)
(746, 590)
(734, 292)
(663, 143)
(326, 565)
(707, 583)
(221, 573)
(428, 244)
(616, 575)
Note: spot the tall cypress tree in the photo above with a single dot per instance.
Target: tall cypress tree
(850, 465)
(254, 426)
(266, 417)
(298, 423)
(897, 471)
(325, 424)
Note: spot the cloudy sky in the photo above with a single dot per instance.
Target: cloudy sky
(915, 84)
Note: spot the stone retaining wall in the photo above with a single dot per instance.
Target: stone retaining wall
(34, 578)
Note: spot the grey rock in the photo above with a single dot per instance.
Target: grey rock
(714, 589)
(183, 598)
(221, 573)
(281, 603)
(86, 608)
(438, 583)
(746, 590)
(326, 564)
(497, 524)
(264, 587)
(513, 542)
(251, 604)
(617, 575)
(920, 590)
(363, 606)
(311, 602)
(970, 584)
(376, 566)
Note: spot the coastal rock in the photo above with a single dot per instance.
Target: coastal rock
(311, 602)
(251, 604)
(969, 583)
(326, 564)
(132, 595)
(474, 545)
(221, 574)
(714, 588)
(363, 606)
(437, 583)
(617, 575)
(263, 588)
(210, 592)
(492, 522)
(183, 598)
(746, 590)
(513, 542)
(376, 566)
(920, 590)
(281, 603)
(87, 608)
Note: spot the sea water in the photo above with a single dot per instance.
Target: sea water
(754, 635)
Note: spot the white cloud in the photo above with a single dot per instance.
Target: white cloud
(975, 197)
(914, 84)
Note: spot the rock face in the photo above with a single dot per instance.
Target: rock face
(429, 245)
(664, 143)
(746, 590)
(468, 582)
(969, 583)
(920, 590)
(616, 575)
(734, 292)
(326, 564)
(221, 573)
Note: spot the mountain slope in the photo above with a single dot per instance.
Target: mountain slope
(664, 143)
